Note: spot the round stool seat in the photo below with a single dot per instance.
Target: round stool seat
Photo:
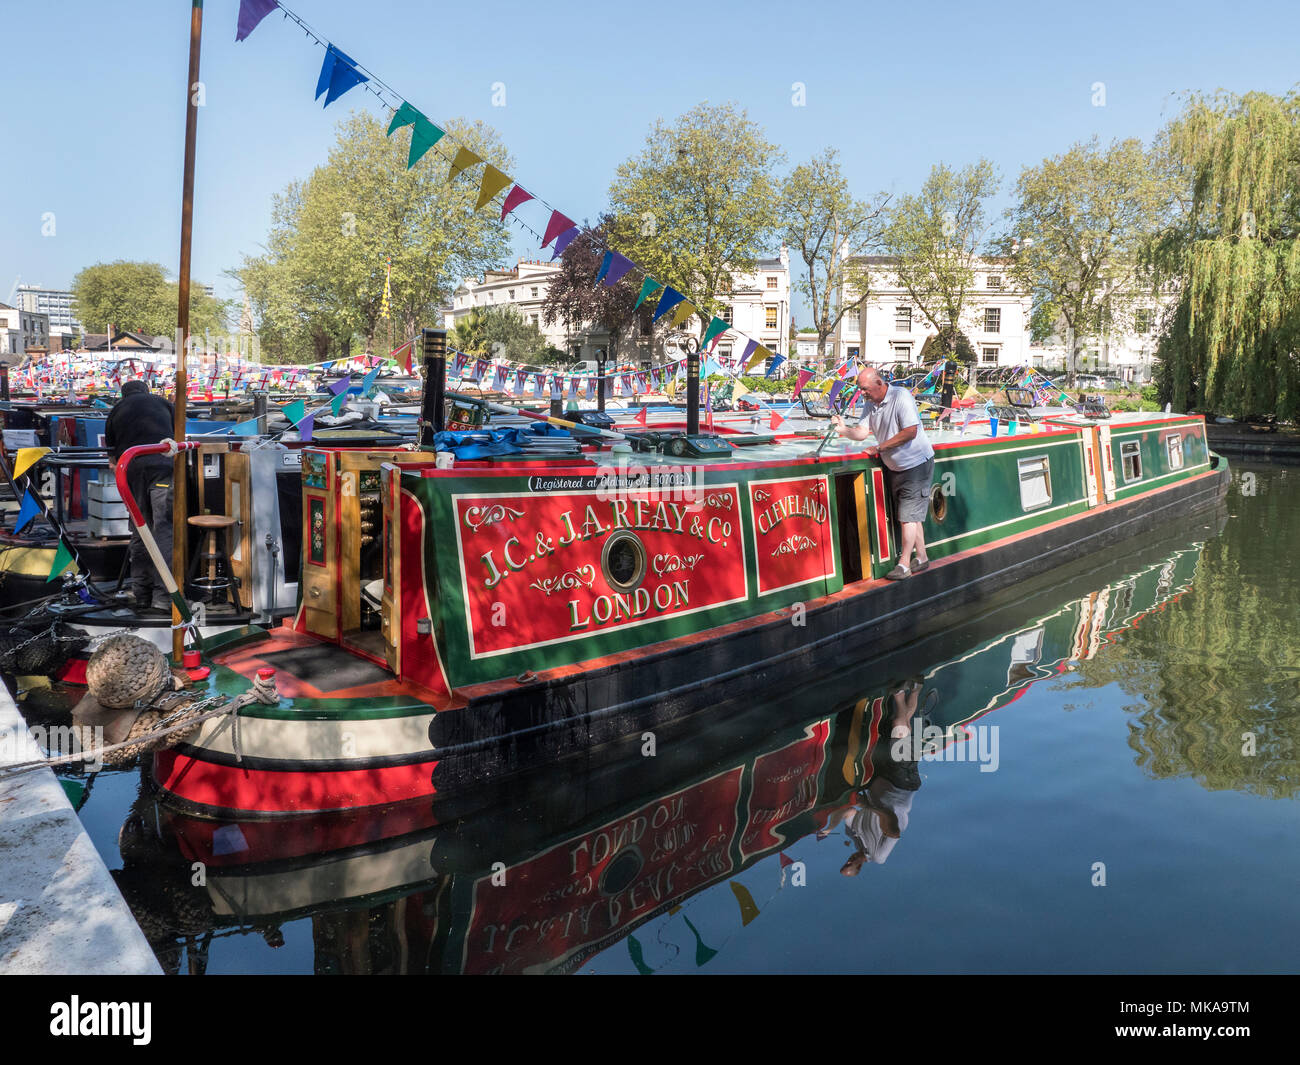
(211, 521)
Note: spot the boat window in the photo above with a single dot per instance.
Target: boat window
(1035, 482)
(1131, 458)
(623, 561)
(1175, 445)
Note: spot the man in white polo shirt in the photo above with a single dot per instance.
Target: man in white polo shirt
(892, 418)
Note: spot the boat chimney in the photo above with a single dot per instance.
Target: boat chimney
(432, 409)
(692, 386)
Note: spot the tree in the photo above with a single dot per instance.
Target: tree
(1077, 230)
(574, 298)
(1233, 342)
(507, 336)
(937, 237)
(827, 228)
(942, 345)
(138, 297)
(321, 280)
(699, 203)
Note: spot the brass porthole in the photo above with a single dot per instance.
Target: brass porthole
(623, 561)
(938, 503)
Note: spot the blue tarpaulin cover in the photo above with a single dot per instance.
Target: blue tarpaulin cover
(482, 443)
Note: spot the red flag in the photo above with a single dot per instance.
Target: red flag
(776, 420)
(786, 861)
(640, 418)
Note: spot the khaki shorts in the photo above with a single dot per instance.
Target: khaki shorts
(911, 491)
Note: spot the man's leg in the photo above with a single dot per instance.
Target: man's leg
(142, 569)
(160, 497)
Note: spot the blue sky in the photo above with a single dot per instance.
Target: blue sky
(94, 113)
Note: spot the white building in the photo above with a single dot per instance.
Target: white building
(1126, 351)
(20, 330)
(758, 305)
(893, 329)
(55, 304)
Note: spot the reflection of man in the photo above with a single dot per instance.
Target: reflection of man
(892, 418)
(142, 418)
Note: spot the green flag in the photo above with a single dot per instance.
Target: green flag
(648, 286)
(716, 328)
(702, 952)
(336, 404)
(62, 560)
(638, 958)
(294, 411)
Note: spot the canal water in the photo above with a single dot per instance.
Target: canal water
(1096, 772)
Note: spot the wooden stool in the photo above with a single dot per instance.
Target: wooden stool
(215, 558)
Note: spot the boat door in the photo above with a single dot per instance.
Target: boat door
(1091, 479)
(1107, 461)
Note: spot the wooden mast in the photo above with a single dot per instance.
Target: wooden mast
(179, 479)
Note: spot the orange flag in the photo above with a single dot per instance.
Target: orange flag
(640, 418)
(776, 420)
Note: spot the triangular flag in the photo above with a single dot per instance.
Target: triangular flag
(62, 560)
(563, 241)
(716, 328)
(557, 225)
(836, 388)
(424, 135)
(775, 421)
(251, 12)
(667, 301)
(752, 355)
(341, 385)
(368, 382)
(741, 390)
(785, 859)
(27, 511)
(513, 199)
(638, 958)
(336, 404)
(648, 286)
(640, 419)
(26, 457)
(338, 74)
(684, 311)
(493, 182)
(248, 428)
(748, 910)
(804, 377)
(305, 428)
(403, 116)
(702, 953)
(463, 161)
(604, 266)
(294, 411)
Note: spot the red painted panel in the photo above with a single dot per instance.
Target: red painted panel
(421, 661)
(532, 564)
(274, 791)
(587, 889)
(792, 532)
(785, 786)
(882, 519)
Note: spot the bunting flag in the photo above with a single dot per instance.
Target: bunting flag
(248, 428)
(521, 381)
(493, 182)
(404, 356)
(514, 198)
(604, 266)
(777, 360)
(640, 419)
(648, 286)
(776, 420)
(684, 310)
(341, 385)
(638, 958)
(785, 859)
(29, 510)
(741, 390)
(836, 388)
(26, 457)
(251, 12)
(748, 909)
(336, 404)
(714, 333)
(619, 265)
(563, 241)
(305, 428)
(463, 161)
(804, 377)
(338, 74)
(667, 301)
(424, 134)
(702, 952)
(62, 560)
(573, 388)
(557, 225)
(591, 388)
(499, 379)
(294, 411)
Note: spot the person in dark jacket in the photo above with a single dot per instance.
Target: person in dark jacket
(140, 417)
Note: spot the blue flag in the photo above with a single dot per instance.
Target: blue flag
(368, 382)
(248, 428)
(27, 511)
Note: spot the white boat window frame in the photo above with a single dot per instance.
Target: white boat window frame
(1136, 455)
(1174, 449)
(1029, 470)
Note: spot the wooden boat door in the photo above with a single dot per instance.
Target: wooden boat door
(1107, 461)
(1091, 482)
(390, 612)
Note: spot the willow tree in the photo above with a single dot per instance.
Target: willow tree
(1234, 342)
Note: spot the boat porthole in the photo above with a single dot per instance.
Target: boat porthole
(623, 561)
(938, 503)
(621, 871)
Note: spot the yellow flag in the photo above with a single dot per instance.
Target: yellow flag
(493, 182)
(684, 310)
(27, 457)
(760, 353)
(741, 390)
(671, 390)
(971, 393)
(748, 908)
(464, 159)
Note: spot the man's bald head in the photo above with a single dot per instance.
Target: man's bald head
(870, 381)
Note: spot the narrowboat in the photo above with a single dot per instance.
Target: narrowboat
(540, 872)
(466, 612)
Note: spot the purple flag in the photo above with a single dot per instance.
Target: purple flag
(563, 241)
(618, 266)
(341, 385)
(304, 428)
(251, 12)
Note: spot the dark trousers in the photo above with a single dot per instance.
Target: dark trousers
(151, 484)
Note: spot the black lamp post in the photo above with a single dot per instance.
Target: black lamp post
(433, 413)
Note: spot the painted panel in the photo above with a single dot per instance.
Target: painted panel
(786, 785)
(547, 567)
(316, 530)
(792, 532)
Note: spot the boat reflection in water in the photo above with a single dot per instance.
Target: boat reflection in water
(541, 872)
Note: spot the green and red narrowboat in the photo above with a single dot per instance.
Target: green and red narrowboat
(455, 624)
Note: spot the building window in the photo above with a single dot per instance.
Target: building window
(902, 319)
(851, 321)
(1142, 321)
(534, 290)
(726, 314)
(769, 317)
(1174, 444)
(771, 282)
(853, 353)
(903, 352)
(1131, 459)
(995, 281)
(1035, 482)
(534, 319)
(988, 355)
(992, 319)
(512, 295)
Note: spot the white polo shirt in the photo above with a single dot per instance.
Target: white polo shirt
(894, 413)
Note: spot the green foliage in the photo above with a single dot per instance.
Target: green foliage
(321, 282)
(138, 297)
(826, 228)
(500, 333)
(941, 345)
(1233, 344)
(698, 202)
(1078, 227)
(937, 236)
